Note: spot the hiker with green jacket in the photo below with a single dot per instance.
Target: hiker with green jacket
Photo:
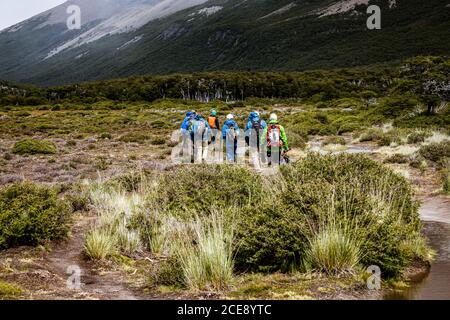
(275, 140)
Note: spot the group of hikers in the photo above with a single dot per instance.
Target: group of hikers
(266, 142)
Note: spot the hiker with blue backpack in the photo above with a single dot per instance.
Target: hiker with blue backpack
(186, 147)
(253, 131)
(230, 133)
(199, 131)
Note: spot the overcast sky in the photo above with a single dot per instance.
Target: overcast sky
(14, 11)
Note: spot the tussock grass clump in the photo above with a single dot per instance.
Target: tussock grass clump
(31, 214)
(206, 259)
(333, 250)
(34, 146)
(113, 231)
(100, 244)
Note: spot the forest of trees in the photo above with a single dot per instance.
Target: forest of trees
(425, 77)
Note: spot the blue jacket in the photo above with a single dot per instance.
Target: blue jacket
(185, 124)
(226, 127)
(253, 117)
(201, 119)
(195, 127)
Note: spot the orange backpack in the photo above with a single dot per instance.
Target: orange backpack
(212, 122)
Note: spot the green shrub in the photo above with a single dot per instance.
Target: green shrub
(157, 141)
(371, 135)
(23, 114)
(160, 124)
(397, 158)
(206, 187)
(418, 137)
(78, 200)
(31, 214)
(296, 140)
(106, 135)
(385, 140)
(436, 152)
(9, 291)
(446, 184)
(360, 193)
(418, 162)
(71, 143)
(34, 146)
(169, 273)
(446, 180)
(348, 127)
(134, 137)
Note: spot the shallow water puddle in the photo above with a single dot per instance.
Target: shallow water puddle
(434, 284)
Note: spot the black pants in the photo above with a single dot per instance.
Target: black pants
(273, 151)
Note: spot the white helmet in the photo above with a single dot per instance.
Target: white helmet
(273, 116)
(230, 117)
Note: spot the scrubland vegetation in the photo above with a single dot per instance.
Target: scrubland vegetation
(221, 228)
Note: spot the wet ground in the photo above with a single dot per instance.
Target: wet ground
(435, 283)
(432, 284)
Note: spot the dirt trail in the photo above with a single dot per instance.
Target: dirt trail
(110, 286)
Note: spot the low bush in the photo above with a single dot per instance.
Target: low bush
(206, 187)
(9, 291)
(418, 162)
(106, 135)
(397, 158)
(31, 214)
(296, 140)
(78, 198)
(371, 135)
(446, 180)
(418, 137)
(364, 196)
(34, 146)
(169, 273)
(436, 152)
(134, 137)
(157, 141)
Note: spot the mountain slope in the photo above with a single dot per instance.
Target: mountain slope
(183, 36)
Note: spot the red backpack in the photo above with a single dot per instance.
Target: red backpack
(274, 136)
